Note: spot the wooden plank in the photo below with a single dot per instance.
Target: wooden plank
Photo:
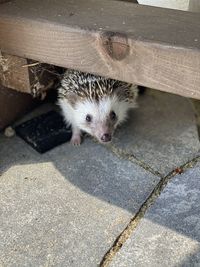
(154, 47)
(13, 105)
(4, 1)
(12, 73)
(25, 75)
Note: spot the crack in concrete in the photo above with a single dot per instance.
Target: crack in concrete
(120, 153)
(121, 239)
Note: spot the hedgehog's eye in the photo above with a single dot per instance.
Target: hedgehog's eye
(113, 115)
(88, 118)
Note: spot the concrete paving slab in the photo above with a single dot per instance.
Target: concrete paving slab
(162, 132)
(65, 207)
(169, 234)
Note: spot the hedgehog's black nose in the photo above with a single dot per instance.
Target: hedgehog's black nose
(106, 137)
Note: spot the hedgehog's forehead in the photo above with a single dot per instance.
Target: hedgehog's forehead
(98, 109)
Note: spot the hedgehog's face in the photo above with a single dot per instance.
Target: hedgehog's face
(100, 119)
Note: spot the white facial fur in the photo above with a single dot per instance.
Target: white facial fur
(99, 112)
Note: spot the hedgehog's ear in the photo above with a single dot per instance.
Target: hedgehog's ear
(127, 93)
(120, 92)
(72, 98)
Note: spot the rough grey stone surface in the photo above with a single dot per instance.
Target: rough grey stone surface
(162, 132)
(66, 207)
(169, 234)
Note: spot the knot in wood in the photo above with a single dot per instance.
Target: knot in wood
(115, 45)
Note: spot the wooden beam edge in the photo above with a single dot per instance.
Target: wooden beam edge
(169, 68)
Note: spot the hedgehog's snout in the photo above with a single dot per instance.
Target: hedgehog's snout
(103, 133)
(106, 137)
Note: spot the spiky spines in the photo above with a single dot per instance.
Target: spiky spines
(94, 87)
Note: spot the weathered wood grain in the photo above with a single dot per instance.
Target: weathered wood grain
(12, 73)
(4, 1)
(25, 75)
(154, 47)
(13, 104)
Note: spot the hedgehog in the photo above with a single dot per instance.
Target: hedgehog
(93, 104)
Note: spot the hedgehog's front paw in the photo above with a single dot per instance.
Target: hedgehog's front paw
(76, 140)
